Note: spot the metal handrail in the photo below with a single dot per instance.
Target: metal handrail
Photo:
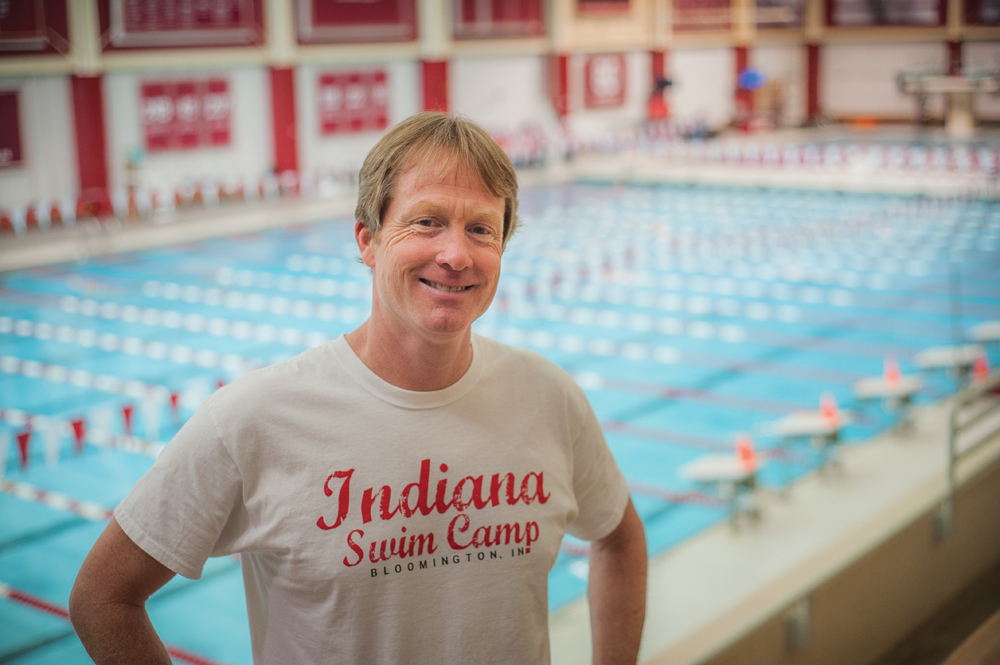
(957, 426)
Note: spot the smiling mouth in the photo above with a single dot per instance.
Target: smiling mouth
(445, 287)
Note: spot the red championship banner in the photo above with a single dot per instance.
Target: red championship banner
(498, 18)
(180, 23)
(339, 21)
(602, 6)
(33, 26)
(356, 101)
(604, 80)
(860, 13)
(180, 115)
(694, 15)
(10, 130)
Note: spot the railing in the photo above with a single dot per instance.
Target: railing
(969, 413)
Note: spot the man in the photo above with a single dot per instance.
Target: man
(398, 494)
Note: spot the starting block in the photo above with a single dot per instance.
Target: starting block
(734, 477)
(958, 360)
(987, 332)
(893, 389)
(822, 428)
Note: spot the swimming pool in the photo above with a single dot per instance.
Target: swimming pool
(687, 313)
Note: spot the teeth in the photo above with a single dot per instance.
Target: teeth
(443, 287)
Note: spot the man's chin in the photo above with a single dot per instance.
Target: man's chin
(446, 326)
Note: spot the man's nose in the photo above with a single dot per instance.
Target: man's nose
(454, 251)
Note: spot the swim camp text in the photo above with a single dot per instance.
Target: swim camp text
(470, 493)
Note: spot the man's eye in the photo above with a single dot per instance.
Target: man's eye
(425, 222)
(482, 230)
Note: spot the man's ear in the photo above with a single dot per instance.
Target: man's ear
(366, 243)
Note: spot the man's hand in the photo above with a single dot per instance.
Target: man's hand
(617, 591)
(108, 602)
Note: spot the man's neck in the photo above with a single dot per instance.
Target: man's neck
(412, 364)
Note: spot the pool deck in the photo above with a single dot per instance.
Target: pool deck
(709, 591)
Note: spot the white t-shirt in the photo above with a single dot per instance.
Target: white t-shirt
(377, 524)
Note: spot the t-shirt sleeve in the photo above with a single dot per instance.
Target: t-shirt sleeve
(188, 506)
(600, 488)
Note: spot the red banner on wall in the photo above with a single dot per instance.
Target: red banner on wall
(353, 102)
(10, 130)
(33, 27)
(337, 21)
(180, 23)
(499, 18)
(604, 80)
(180, 115)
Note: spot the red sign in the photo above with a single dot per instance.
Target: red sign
(10, 130)
(33, 26)
(333, 21)
(599, 6)
(693, 15)
(22, 25)
(353, 102)
(178, 115)
(499, 18)
(604, 83)
(176, 23)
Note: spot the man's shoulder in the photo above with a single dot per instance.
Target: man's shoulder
(298, 374)
(523, 363)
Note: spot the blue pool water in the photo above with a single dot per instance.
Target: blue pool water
(689, 314)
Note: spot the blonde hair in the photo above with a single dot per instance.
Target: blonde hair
(418, 139)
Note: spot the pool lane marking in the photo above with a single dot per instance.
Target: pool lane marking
(683, 439)
(57, 500)
(38, 603)
(641, 323)
(140, 390)
(591, 380)
(131, 346)
(194, 294)
(82, 378)
(673, 496)
(234, 363)
(696, 441)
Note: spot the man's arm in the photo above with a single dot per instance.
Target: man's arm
(108, 602)
(617, 591)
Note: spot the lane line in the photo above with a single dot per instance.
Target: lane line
(38, 603)
(85, 509)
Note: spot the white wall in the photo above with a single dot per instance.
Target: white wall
(48, 142)
(250, 152)
(347, 151)
(584, 122)
(704, 85)
(983, 54)
(858, 79)
(787, 65)
(500, 93)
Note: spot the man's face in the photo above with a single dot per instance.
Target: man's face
(436, 260)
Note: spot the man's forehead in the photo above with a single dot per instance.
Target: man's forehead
(441, 166)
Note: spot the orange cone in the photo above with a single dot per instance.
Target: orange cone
(981, 368)
(745, 453)
(890, 370)
(828, 407)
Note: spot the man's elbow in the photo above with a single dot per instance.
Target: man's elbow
(84, 603)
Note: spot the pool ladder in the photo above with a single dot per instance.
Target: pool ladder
(972, 411)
